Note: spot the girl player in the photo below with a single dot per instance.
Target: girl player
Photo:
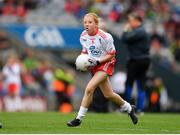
(99, 46)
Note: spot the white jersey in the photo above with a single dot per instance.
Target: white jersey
(98, 45)
(12, 73)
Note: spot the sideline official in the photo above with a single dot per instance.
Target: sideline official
(138, 45)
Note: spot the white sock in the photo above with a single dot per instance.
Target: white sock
(126, 107)
(81, 113)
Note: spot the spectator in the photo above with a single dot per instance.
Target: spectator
(177, 51)
(138, 45)
(30, 4)
(63, 90)
(158, 96)
(21, 10)
(8, 8)
(29, 60)
(4, 46)
(2, 93)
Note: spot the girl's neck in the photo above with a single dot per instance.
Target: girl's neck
(94, 33)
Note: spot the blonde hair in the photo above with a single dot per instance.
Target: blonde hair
(94, 16)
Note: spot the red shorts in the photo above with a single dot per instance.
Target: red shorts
(13, 88)
(107, 67)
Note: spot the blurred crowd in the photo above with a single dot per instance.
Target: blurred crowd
(16, 7)
(38, 78)
(164, 16)
(20, 8)
(28, 83)
(117, 10)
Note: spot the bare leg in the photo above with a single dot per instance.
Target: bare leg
(91, 86)
(101, 79)
(108, 93)
(88, 95)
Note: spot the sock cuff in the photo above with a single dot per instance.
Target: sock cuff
(82, 112)
(83, 108)
(126, 107)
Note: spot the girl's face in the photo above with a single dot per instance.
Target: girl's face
(90, 25)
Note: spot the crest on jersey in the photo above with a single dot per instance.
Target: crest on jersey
(95, 51)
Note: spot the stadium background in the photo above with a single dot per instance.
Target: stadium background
(44, 36)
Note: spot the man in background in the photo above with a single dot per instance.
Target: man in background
(138, 45)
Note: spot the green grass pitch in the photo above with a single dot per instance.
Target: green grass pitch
(110, 123)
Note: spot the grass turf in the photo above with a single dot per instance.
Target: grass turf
(111, 123)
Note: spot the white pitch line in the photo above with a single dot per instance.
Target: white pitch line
(121, 128)
(140, 129)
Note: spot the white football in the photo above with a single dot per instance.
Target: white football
(82, 62)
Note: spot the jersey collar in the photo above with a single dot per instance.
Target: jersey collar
(94, 32)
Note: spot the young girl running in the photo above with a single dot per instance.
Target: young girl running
(100, 47)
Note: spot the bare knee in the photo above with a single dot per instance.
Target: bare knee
(89, 91)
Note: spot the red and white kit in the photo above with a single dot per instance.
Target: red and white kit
(12, 73)
(97, 46)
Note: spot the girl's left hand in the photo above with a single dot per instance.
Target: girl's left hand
(93, 63)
